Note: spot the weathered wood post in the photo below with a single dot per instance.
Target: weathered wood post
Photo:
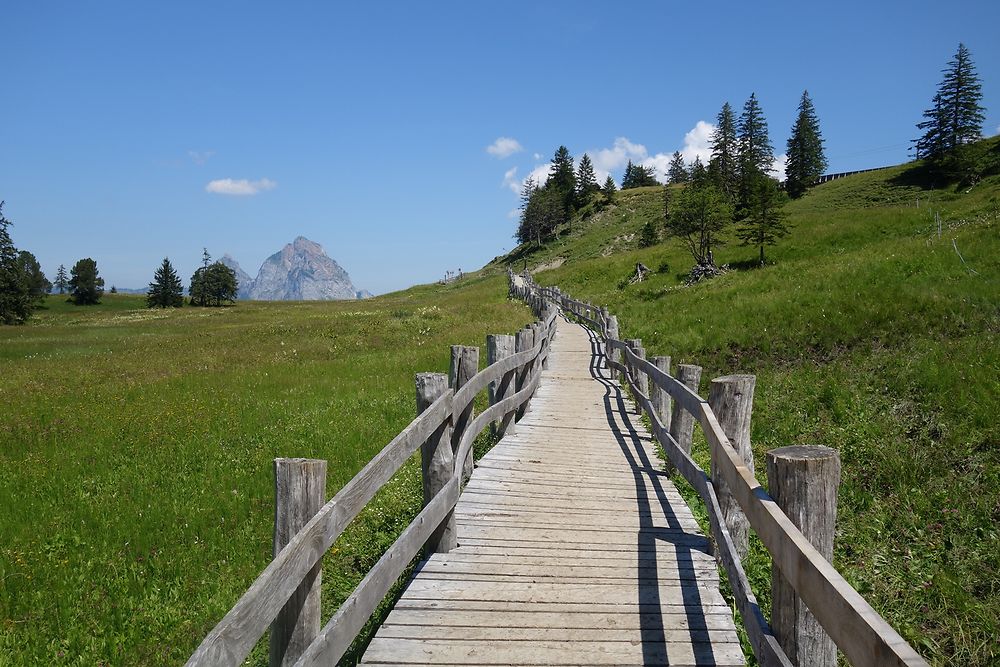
(803, 481)
(731, 399)
(524, 340)
(603, 319)
(641, 379)
(437, 460)
(299, 492)
(500, 346)
(661, 399)
(632, 344)
(682, 421)
(464, 365)
(541, 331)
(613, 355)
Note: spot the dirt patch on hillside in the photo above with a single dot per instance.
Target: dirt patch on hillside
(554, 264)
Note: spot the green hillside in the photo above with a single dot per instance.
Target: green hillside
(868, 331)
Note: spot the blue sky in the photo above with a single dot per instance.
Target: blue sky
(132, 131)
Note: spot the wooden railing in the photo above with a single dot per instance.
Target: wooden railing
(444, 430)
(854, 627)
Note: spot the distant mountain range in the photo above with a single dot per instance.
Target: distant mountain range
(301, 271)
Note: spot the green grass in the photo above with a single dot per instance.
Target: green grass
(137, 449)
(867, 333)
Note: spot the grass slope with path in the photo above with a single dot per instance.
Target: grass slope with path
(869, 332)
(137, 445)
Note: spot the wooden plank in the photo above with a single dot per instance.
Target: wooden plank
(507, 633)
(677, 620)
(444, 652)
(694, 609)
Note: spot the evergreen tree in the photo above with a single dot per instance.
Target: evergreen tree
(755, 152)
(698, 215)
(638, 176)
(806, 161)
(609, 190)
(764, 220)
(649, 235)
(956, 117)
(38, 284)
(586, 181)
(213, 285)
(86, 285)
(562, 179)
(677, 171)
(166, 290)
(526, 228)
(114, 290)
(724, 165)
(16, 303)
(698, 175)
(62, 280)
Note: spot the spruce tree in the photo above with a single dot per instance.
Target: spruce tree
(677, 171)
(763, 222)
(609, 189)
(562, 179)
(16, 303)
(638, 176)
(166, 290)
(527, 224)
(756, 154)
(62, 280)
(723, 165)
(806, 161)
(956, 117)
(586, 181)
(38, 284)
(628, 178)
(86, 285)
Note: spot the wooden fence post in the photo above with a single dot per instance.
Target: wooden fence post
(437, 460)
(682, 421)
(464, 365)
(525, 340)
(641, 379)
(299, 492)
(661, 399)
(542, 332)
(500, 346)
(803, 481)
(615, 355)
(632, 344)
(731, 399)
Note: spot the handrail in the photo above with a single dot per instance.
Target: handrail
(232, 639)
(850, 621)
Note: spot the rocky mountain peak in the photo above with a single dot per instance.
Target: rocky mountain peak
(302, 271)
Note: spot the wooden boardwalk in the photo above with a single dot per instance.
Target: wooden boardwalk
(574, 549)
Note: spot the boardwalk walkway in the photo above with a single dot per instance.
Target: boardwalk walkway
(573, 548)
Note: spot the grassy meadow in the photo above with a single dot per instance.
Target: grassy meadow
(868, 333)
(137, 445)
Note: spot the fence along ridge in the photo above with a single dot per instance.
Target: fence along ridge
(234, 637)
(864, 637)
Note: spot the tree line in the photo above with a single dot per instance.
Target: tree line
(24, 287)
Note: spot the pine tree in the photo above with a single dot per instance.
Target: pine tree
(16, 303)
(62, 280)
(166, 290)
(724, 165)
(806, 161)
(956, 117)
(526, 228)
(756, 154)
(764, 220)
(213, 285)
(638, 176)
(628, 178)
(649, 235)
(677, 171)
(38, 284)
(586, 182)
(86, 285)
(562, 179)
(609, 189)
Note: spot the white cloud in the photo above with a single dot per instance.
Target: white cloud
(239, 187)
(537, 156)
(504, 147)
(540, 173)
(778, 167)
(200, 157)
(623, 150)
(697, 143)
(511, 181)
